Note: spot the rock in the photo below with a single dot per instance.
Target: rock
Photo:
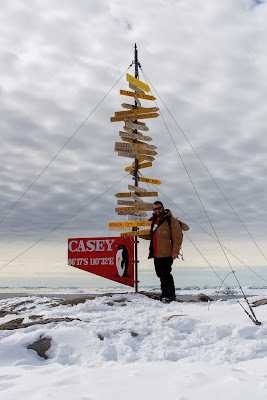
(3, 313)
(257, 303)
(41, 346)
(100, 337)
(17, 323)
(13, 324)
(34, 317)
(174, 315)
(203, 297)
(134, 334)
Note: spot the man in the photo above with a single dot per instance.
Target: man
(165, 243)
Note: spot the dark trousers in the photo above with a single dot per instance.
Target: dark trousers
(163, 267)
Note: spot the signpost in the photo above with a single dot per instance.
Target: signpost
(117, 258)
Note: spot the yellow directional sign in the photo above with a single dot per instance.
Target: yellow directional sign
(123, 195)
(148, 194)
(128, 224)
(136, 208)
(138, 83)
(140, 96)
(133, 117)
(141, 110)
(142, 150)
(149, 180)
(140, 166)
(141, 194)
(118, 119)
(143, 232)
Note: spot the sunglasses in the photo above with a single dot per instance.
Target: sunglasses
(156, 209)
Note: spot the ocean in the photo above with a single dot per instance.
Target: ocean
(185, 278)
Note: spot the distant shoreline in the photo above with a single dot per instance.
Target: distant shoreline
(9, 295)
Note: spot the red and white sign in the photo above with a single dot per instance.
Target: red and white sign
(111, 257)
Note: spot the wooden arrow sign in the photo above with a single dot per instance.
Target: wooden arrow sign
(132, 203)
(127, 154)
(134, 136)
(129, 224)
(136, 208)
(140, 166)
(148, 194)
(137, 126)
(123, 194)
(131, 135)
(143, 232)
(137, 100)
(140, 96)
(135, 111)
(149, 180)
(136, 189)
(139, 146)
(135, 197)
(135, 213)
(129, 106)
(137, 83)
(142, 150)
(136, 88)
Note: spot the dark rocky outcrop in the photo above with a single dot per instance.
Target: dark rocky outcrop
(203, 297)
(41, 346)
(257, 303)
(17, 323)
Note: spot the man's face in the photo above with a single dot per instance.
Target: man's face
(157, 210)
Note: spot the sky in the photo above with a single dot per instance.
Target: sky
(59, 60)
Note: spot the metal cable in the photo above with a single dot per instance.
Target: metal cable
(74, 133)
(213, 179)
(63, 223)
(253, 318)
(188, 216)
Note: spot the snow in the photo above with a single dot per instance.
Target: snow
(129, 346)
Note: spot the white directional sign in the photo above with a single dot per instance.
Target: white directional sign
(130, 212)
(135, 135)
(128, 106)
(138, 102)
(136, 188)
(131, 203)
(137, 198)
(137, 126)
(136, 88)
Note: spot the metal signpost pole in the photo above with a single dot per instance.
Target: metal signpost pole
(136, 62)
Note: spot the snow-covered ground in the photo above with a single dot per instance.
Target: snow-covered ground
(129, 346)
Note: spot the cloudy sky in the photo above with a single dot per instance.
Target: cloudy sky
(207, 61)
